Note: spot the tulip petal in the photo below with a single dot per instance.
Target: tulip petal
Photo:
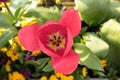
(28, 37)
(51, 28)
(50, 22)
(69, 36)
(66, 64)
(71, 19)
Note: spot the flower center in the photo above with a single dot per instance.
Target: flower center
(56, 41)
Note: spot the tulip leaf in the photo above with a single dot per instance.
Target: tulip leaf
(115, 9)
(98, 46)
(35, 75)
(17, 12)
(48, 67)
(83, 30)
(100, 73)
(77, 75)
(18, 3)
(93, 12)
(77, 39)
(2, 71)
(6, 21)
(7, 35)
(43, 14)
(87, 58)
(110, 32)
(38, 64)
(21, 57)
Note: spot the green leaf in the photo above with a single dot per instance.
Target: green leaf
(44, 14)
(21, 57)
(6, 21)
(38, 64)
(48, 67)
(100, 73)
(77, 39)
(32, 12)
(36, 75)
(87, 58)
(21, 9)
(3, 73)
(98, 46)
(17, 12)
(115, 9)
(83, 30)
(110, 32)
(7, 35)
(93, 12)
(77, 75)
(15, 4)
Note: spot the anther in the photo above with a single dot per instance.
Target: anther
(54, 43)
(54, 37)
(51, 40)
(57, 44)
(60, 41)
(59, 37)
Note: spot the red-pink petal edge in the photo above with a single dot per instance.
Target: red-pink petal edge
(66, 64)
(71, 19)
(28, 37)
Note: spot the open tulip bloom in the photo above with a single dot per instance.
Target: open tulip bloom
(55, 39)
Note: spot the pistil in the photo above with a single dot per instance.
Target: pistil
(56, 41)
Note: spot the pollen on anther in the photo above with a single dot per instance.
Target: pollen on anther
(56, 41)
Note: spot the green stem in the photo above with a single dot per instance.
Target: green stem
(9, 11)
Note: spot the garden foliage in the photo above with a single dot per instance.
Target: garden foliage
(97, 43)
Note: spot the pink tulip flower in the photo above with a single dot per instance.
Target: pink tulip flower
(55, 39)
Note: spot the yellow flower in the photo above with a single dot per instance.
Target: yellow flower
(1, 31)
(27, 21)
(14, 56)
(70, 77)
(4, 49)
(43, 78)
(2, 4)
(63, 77)
(13, 44)
(58, 75)
(4, 10)
(53, 77)
(84, 71)
(17, 40)
(16, 76)
(57, 1)
(103, 63)
(35, 53)
(7, 66)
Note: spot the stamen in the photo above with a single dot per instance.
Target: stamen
(57, 45)
(60, 41)
(56, 41)
(51, 40)
(59, 37)
(54, 37)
